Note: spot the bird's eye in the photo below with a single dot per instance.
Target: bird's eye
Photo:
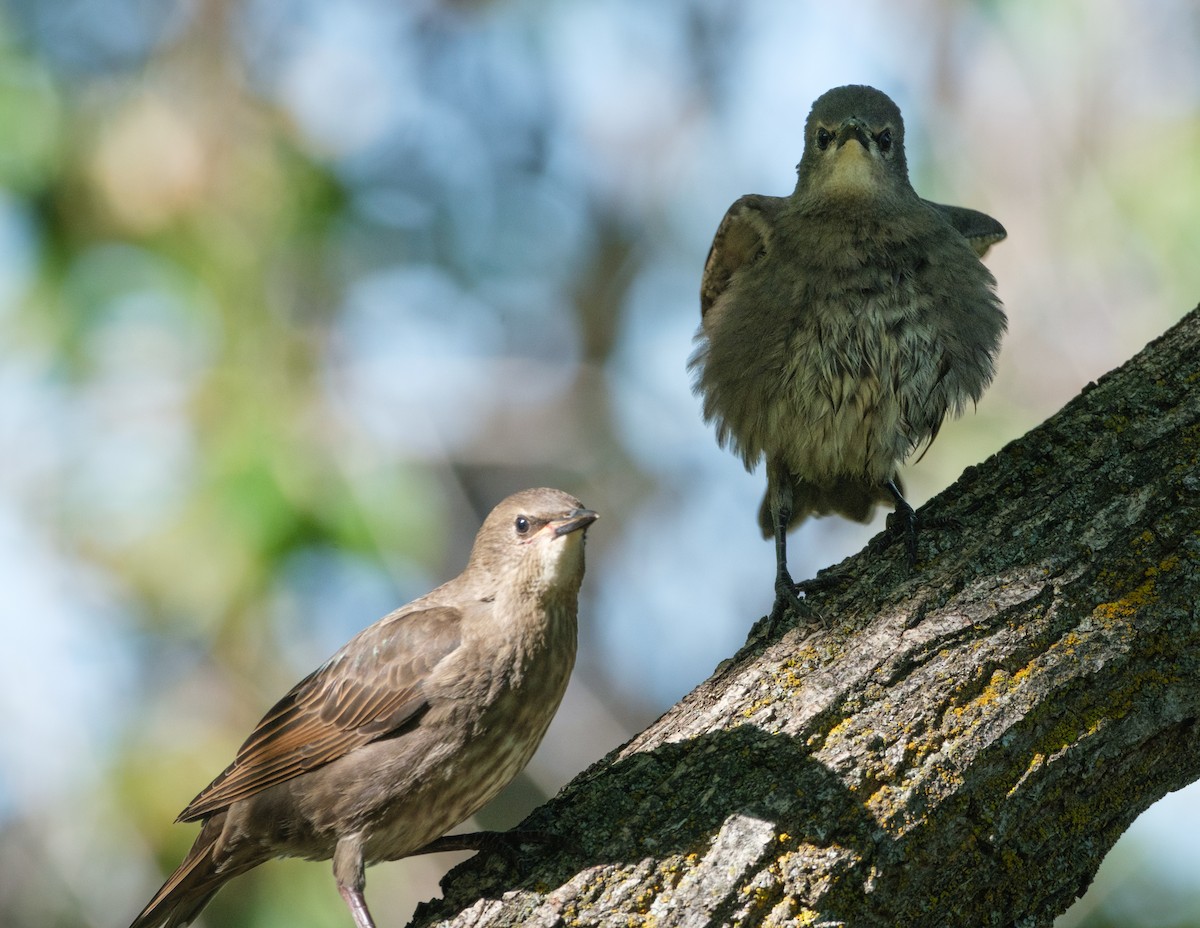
(824, 137)
(522, 525)
(885, 140)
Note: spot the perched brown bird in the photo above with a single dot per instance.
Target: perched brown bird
(410, 728)
(840, 325)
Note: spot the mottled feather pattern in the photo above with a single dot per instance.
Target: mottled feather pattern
(410, 728)
(840, 325)
(369, 688)
(854, 404)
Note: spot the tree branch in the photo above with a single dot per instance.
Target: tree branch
(959, 745)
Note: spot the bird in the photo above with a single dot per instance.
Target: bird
(840, 325)
(410, 728)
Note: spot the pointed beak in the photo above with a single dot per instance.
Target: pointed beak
(573, 521)
(854, 128)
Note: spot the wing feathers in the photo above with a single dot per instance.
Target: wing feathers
(339, 707)
(741, 239)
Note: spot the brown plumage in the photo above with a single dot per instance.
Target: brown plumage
(410, 728)
(841, 324)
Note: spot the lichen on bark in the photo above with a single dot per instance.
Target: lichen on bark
(957, 745)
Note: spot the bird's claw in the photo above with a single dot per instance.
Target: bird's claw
(828, 579)
(787, 596)
(508, 844)
(905, 521)
(511, 846)
(907, 524)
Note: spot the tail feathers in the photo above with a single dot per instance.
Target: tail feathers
(193, 883)
(853, 499)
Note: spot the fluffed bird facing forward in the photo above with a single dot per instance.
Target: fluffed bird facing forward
(840, 325)
(410, 728)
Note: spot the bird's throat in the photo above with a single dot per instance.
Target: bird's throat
(853, 172)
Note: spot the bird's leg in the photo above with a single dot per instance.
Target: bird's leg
(358, 906)
(906, 514)
(348, 871)
(779, 498)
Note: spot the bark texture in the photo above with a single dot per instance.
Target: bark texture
(959, 745)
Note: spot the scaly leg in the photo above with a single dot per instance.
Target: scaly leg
(779, 498)
(348, 871)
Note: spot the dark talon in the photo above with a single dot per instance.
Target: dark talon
(906, 514)
(507, 843)
(785, 596)
(829, 579)
(912, 523)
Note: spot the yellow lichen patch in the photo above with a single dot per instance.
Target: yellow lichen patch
(1128, 605)
(1144, 594)
(999, 684)
(761, 900)
(881, 803)
(786, 675)
(805, 653)
(1032, 767)
(839, 729)
(1166, 565)
(1002, 683)
(641, 905)
(950, 776)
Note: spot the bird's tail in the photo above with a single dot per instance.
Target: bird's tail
(193, 883)
(852, 499)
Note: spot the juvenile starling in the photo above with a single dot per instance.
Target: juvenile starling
(839, 325)
(407, 730)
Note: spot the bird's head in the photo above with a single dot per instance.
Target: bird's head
(853, 146)
(535, 539)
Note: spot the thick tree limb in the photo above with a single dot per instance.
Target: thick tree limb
(959, 746)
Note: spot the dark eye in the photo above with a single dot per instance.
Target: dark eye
(824, 137)
(522, 525)
(885, 140)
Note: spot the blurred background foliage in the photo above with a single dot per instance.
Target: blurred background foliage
(292, 292)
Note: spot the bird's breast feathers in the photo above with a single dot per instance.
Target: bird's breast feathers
(832, 344)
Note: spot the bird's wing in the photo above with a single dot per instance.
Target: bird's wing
(370, 689)
(979, 229)
(743, 237)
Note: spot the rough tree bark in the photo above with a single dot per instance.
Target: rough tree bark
(959, 745)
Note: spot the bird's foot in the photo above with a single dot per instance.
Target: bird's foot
(519, 838)
(828, 579)
(905, 523)
(509, 844)
(787, 596)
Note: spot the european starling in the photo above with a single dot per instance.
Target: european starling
(407, 730)
(840, 325)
